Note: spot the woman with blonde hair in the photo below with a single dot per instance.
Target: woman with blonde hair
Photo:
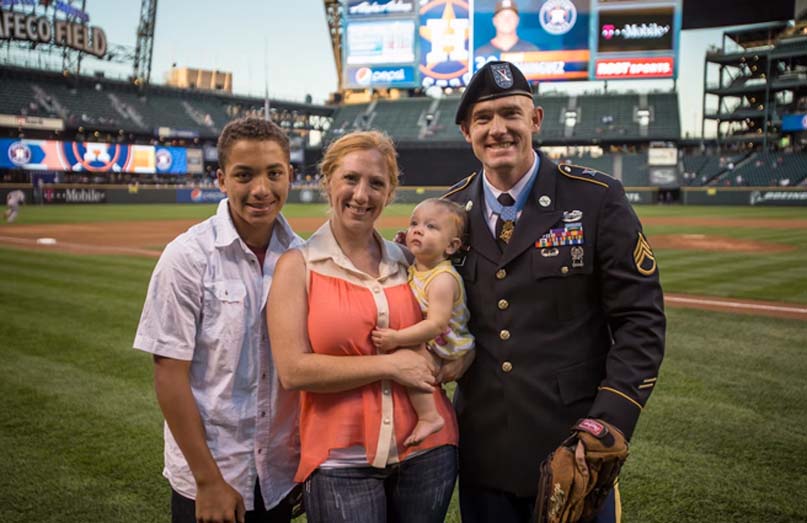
(326, 299)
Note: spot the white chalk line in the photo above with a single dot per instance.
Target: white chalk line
(736, 305)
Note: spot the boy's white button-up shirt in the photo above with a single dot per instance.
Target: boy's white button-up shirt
(206, 304)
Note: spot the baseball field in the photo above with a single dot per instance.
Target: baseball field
(723, 438)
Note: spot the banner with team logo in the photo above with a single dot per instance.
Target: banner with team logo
(444, 34)
(92, 157)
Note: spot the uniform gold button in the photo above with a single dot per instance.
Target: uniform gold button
(504, 334)
(564, 270)
(386, 421)
(503, 304)
(501, 274)
(507, 366)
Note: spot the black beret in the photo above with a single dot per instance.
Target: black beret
(494, 80)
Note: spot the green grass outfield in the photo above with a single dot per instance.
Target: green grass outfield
(723, 438)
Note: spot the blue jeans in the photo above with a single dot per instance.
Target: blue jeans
(417, 490)
(484, 505)
(183, 510)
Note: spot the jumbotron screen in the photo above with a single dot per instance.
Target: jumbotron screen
(425, 43)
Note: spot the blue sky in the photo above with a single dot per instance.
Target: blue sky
(285, 43)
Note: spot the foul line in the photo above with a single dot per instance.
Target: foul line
(736, 305)
(95, 249)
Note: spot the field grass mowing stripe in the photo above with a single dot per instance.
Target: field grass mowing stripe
(94, 436)
(710, 442)
(95, 297)
(98, 264)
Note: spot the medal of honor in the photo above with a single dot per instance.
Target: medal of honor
(507, 231)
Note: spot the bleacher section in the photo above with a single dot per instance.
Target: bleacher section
(699, 169)
(97, 104)
(634, 170)
(608, 116)
(600, 118)
(404, 119)
(767, 170)
(665, 123)
(554, 115)
(443, 128)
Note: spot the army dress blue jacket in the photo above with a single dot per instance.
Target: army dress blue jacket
(568, 320)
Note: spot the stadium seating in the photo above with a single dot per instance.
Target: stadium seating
(554, 115)
(404, 119)
(346, 119)
(597, 118)
(767, 169)
(607, 116)
(665, 123)
(98, 104)
(634, 170)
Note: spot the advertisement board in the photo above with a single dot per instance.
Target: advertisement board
(199, 195)
(365, 8)
(662, 155)
(51, 195)
(633, 39)
(794, 123)
(92, 157)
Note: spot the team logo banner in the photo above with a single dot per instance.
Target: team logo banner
(443, 37)
(91, 157)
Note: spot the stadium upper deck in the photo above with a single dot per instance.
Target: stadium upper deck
(89, 104)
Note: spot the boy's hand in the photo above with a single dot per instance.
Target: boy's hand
(385, 339)
(218, 501)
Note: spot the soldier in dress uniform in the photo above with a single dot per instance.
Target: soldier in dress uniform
(565, 303)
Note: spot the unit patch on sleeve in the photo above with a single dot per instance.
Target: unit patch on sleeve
(643, 256)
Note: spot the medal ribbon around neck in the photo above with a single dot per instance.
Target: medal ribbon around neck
(509, 213)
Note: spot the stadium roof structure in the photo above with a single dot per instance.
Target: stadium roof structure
(759, 76)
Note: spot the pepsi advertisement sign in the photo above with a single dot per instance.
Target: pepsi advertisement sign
(199, 195)
(366, 77)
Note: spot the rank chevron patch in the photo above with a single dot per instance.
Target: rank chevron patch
(643, 256)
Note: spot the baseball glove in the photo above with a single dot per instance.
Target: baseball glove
(578, 476)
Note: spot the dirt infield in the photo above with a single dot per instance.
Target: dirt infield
(751, 223)
(147, 238)
(708, 242)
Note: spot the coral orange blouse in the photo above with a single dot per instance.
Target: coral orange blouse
(344, 306)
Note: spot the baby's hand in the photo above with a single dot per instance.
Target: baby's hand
(385, 339)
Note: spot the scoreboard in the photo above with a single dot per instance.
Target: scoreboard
(425, 43)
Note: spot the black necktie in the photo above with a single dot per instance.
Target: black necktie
(504, 228)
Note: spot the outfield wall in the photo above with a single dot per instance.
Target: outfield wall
(774, 196)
